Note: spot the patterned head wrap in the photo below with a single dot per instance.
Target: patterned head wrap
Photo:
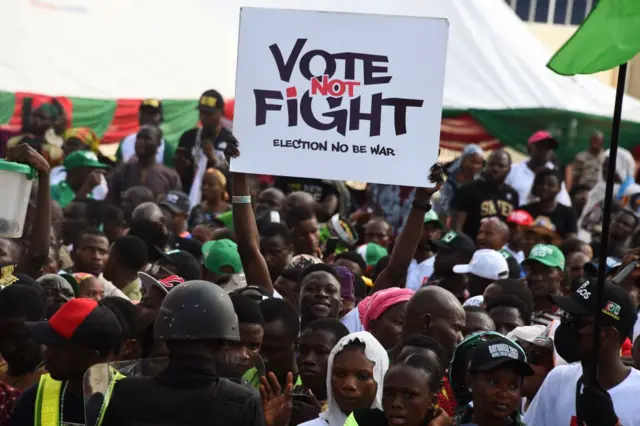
(84, 134)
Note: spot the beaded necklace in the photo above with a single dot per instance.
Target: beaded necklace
(64, 391)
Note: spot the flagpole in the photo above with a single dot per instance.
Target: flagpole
(606, 219)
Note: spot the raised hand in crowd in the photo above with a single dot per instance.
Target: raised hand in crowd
(38, 233)
(408, 239)
(276, 404)
(244, 222)
(93, 179)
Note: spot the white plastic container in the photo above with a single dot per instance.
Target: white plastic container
(15, 190)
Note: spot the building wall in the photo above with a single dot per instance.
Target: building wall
(554, 21)
(559, 12)
(554, 36)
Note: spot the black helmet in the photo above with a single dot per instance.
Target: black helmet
(196, 310)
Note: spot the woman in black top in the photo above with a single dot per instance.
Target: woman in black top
(495, 376)
(546, 186)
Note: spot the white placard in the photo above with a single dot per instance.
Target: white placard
(338, 95)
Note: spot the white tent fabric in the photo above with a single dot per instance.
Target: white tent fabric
(175, 50)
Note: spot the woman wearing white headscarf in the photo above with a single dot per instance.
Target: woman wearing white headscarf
(625, 192)
(355, 374)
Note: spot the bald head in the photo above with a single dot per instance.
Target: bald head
(270, 199)
(9, 251)
(493, 234)
(148, 211)
(437, 313)
(378, 231)
(299, 199)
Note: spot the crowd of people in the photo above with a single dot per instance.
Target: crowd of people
(159, 288)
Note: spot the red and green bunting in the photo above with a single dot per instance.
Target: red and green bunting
(112, 120)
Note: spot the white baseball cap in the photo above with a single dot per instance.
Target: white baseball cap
(536, 334)
(485, 263)
(474, 301)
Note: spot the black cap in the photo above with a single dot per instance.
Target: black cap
(152, 104)
(617, 307)
(493, 353)
(211, 101)
(190, 245)
(456, 241)
(165, 284)
(176, 201)
(82, 321)
(185, 264)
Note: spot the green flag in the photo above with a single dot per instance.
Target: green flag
(609, 37)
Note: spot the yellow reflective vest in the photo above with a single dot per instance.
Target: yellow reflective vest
(351, 421)
(47, 412)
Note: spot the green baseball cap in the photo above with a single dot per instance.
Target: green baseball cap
(546, 254)
(431, 217)
(372, 253)
(83, 159)
(219, 253)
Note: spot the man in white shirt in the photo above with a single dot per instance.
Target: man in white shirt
(453, 248)
(541, 146)
(151, 112)
(556, 403)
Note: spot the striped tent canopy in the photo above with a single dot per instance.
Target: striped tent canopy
(114, 119)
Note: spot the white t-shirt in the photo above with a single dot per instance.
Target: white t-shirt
(418, 274)
(315, 422)
(519, 256)
(128, 149)
(352, 321)
(521, 178)
(555, 402)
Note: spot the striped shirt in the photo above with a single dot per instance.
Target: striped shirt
(545, 318)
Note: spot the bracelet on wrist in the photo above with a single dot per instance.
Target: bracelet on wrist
(241, 199)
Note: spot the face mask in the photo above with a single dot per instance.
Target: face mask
(567, 340)
(576, 283)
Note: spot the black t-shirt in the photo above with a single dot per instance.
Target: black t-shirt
(24, 413)
(562, 217)
(480, 199)
(315, 187)
(188, 142)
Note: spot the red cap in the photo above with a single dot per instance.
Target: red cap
(520, 217)
(82, 321)
(542, 135)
